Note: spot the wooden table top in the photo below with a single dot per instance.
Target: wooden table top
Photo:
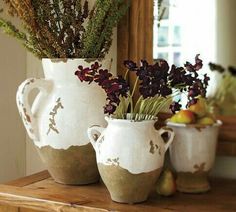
(40, 192)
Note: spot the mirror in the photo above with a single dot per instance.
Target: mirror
(184, 28)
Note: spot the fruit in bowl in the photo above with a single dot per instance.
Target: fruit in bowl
(184, 116)
(200, 108)
(195, 114)
(207, 120)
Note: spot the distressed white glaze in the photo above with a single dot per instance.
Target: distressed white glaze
(194, 147)
(135, 146)
(64, 107)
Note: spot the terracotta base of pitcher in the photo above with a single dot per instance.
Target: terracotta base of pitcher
(192, 182)
(125, 187)
(73, 166)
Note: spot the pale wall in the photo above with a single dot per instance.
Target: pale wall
(226, 55)
(226, 31)
(12, 133)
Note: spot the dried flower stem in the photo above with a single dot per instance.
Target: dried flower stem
(56, 28)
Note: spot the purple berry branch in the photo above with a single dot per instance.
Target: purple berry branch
(115, 87)
(158, 83)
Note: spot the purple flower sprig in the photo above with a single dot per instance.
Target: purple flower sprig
(115, 87)
(160, 80)
(152, 78)
(187, 79)
(157, 83)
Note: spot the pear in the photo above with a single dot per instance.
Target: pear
(174, 118)
(166, 184)
(200, 108)
(184, 117)
(206, 121)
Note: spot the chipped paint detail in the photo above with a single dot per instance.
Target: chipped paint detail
(23, 113)
(114, 161)
(52, 123)
(199, 168)
(27, 117)
(26, 84)
(153, 148)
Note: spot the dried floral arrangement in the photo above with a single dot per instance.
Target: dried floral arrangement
(157, 84)
(64, 28)
(224, 100)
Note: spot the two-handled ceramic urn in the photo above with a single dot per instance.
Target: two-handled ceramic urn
(130, 157)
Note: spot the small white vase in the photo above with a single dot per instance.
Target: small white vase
(130, 156)
(192, 155)
(59, 118)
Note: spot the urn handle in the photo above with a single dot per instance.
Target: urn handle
(22, 100)
(93, 135)
(171, 136)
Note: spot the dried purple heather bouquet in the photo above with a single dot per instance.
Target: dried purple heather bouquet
(64, 28)
(157, 84)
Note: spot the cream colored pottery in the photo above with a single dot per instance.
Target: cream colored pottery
(192, 155)
(59, 118)
(130, 156)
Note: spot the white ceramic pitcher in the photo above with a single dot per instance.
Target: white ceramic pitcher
(59, 118)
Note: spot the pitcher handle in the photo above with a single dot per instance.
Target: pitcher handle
(171, 136)
(92, 134)
(22, 100)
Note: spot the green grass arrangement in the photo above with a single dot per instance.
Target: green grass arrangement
(64, 28)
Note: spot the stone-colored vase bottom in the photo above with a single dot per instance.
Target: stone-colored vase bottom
(192, 182)
(125, 187)
(74, 166)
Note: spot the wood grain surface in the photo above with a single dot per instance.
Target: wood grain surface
(39, 194)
